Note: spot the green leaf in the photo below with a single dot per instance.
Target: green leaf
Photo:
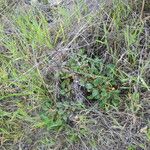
(102, 103)
(95, 93)
(97, 81)
(90, 97)
(82, 82)
(89, 86)
(104, 93)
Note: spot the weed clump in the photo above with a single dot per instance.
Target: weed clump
(97, 81)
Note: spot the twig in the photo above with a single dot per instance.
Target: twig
(146, 18)
(142, 10)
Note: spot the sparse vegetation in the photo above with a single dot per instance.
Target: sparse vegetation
(74, 75)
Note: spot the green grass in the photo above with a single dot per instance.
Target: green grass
(80, 81)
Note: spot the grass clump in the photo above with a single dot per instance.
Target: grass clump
(33, 28)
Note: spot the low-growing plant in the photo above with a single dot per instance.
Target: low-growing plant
(98, 81)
